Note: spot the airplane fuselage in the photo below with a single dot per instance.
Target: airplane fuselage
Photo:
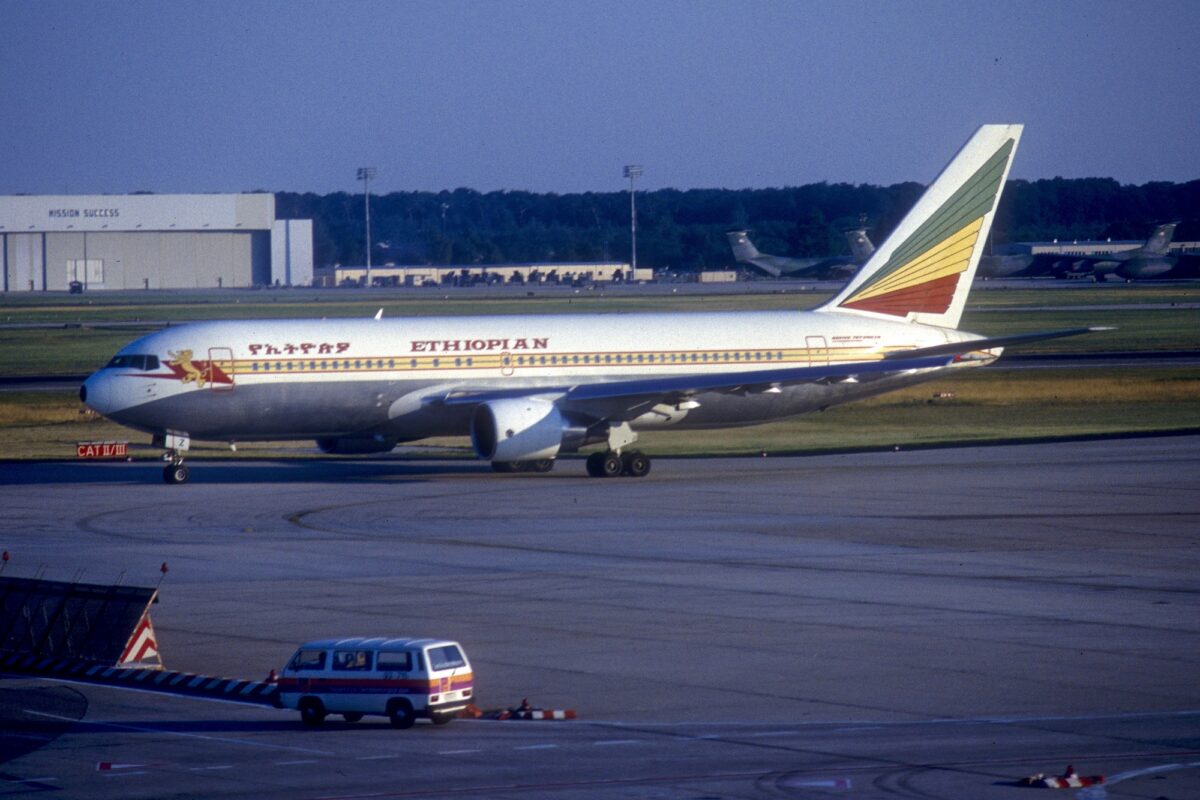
(290, 379)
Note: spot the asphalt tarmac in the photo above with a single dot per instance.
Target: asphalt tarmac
(933, 624)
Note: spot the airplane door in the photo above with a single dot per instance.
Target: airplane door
(220, 369)
(818, 351)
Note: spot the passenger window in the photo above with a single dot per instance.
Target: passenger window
(355, 660)
(394, 662)
(308, 660)
(446, 657)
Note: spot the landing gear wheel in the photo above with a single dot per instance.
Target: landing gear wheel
(312, 712)
(595, 465)
(175, 473)
(610, 465)
(541, 465)
(635, 464)
(400, 714)
(352, 716)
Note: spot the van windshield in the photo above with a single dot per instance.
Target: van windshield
(308, 659)
(445, 657)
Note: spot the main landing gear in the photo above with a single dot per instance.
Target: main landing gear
(610, 464)
(616, 460)
(540, 465)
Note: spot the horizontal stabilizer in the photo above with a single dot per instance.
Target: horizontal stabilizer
(971, 345)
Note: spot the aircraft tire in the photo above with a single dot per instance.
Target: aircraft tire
(175, 473)
(611, 465)
(541, 465)
(635, 464)
(595, 465)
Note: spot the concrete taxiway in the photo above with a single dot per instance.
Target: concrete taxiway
(932, 624)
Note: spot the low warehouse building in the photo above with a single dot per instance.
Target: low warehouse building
(150, 241)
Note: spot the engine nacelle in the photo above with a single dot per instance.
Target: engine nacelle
(519, 429)
(355, 445)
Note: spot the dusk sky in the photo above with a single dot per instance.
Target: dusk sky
(222, 96)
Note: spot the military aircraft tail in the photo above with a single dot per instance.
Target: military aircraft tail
(743, 248)
(861, 248)
(923, 271)
(1160, 240)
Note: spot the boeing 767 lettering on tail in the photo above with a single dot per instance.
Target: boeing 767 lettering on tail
(528, 388)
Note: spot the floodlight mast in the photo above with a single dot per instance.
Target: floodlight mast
(366, 175)
(633, 171)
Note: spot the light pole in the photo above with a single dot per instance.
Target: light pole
(633, 171)
(366, 174)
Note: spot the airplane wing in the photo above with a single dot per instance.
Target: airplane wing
(629, 399)
(972, 345)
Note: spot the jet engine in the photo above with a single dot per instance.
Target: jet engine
(355, 445)
(523, 429)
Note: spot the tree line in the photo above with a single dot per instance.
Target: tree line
(685, 230)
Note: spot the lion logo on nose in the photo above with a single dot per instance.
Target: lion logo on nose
(182, 359)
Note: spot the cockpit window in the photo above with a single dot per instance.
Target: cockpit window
(129, 361)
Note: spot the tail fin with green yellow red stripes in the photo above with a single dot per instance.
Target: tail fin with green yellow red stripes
(923, 271)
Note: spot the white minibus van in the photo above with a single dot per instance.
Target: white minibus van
(402, 679)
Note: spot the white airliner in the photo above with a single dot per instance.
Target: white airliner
(527, 388)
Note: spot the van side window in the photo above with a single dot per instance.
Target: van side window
(351, 659)
(308, 659)
(394, 662)
(446, 657)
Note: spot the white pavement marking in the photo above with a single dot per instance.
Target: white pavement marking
(141, 729)
(28, 780)
(214, 767)
(294, 763)
(376, 758)
(536, 747)
(457, 752)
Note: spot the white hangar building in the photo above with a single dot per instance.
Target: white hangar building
(150, 241)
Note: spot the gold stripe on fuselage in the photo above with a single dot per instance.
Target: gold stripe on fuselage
(817, 356)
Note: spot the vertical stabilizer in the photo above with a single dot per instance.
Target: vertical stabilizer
(1160, 241)
(923, 271)
(743, 248)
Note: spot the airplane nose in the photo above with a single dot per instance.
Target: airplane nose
(94, 394)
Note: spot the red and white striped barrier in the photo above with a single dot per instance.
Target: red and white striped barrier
(523, 711)
(1070, 779)
(545, 713)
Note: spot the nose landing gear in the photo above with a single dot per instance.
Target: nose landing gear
(176, 471)
(176, 445)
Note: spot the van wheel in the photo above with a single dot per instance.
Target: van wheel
(442, 719)
(312, 712)
(400, 714)
(352, 716)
